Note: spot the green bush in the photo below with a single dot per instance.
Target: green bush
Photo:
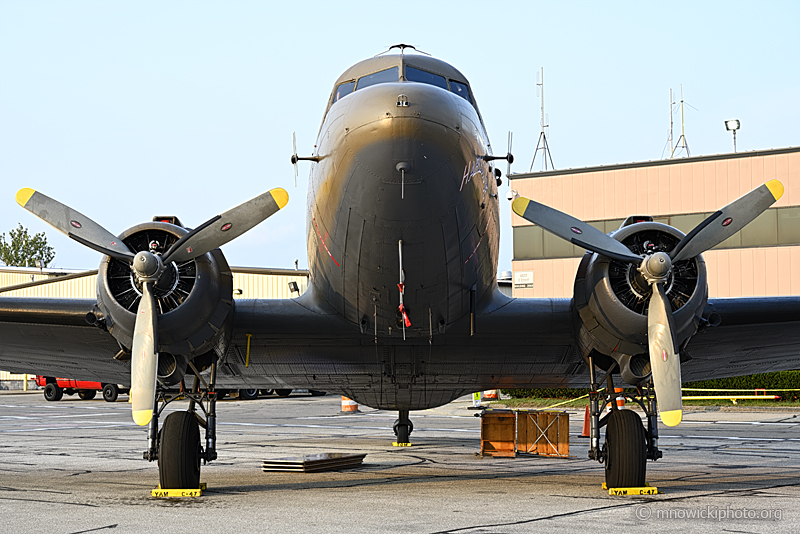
(551, 393)
(779, 380)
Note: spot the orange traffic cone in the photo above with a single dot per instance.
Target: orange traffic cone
(349, 405)
(585, 433)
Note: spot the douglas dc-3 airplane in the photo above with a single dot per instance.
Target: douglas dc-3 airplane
(402, 310)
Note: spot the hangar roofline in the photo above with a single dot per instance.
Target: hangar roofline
(654, 163)
(59, 271)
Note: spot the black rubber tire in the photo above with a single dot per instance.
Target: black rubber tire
(626, 450)
(317, 393)
(87, 394)
(397, 430)
(179, 452)
(53, 393)
(110, 393)
(248, 394)
(283, 392)
(221, 393)
(266, 392)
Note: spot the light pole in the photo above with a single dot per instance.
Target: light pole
(733, 125)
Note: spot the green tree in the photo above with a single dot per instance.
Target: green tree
(22, 250)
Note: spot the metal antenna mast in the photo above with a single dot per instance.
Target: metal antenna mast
(545, 147)
(682, 139)
(671, 110)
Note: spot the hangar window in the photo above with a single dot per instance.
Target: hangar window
(383, 76)
(416, 75)
(343, 90)
(460, 89)
(774, 227)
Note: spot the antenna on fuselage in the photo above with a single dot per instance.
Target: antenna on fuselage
(509, 161)
(402, 47)
(296, 158)
(545, 122)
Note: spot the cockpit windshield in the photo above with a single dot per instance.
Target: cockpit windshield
(460, 89)
(411, 74)
(343, 90)
(383, 76)
(416, 75)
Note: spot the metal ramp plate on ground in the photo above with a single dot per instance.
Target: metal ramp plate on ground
(313, 463)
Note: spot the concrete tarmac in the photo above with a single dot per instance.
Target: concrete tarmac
(75, 466)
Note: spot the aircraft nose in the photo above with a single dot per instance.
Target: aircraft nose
(405, 132)
(403, 100)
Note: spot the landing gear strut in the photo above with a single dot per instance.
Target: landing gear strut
(403, 427)
(628, 445)
(177, 447)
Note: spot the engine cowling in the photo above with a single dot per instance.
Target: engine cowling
(194, 300)
(611, 301)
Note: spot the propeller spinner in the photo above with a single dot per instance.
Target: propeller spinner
(148, 268)
(655, 269)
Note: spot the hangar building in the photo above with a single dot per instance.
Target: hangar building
(763, 259)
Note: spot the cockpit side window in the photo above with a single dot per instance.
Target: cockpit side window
(416, 75)
(383, 76)
(343, 90)
(460, 89)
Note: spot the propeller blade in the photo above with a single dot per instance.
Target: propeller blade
(73, 223)
(144, 359)
(665, 364)
(223, 228)
(573, 230)
(724, 223)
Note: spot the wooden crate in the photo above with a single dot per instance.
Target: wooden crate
(543, 433)
(498, 433)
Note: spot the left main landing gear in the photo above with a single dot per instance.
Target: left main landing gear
(403, 427)
(177, 446)
(628, 445)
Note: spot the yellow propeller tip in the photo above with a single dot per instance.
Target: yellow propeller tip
(142, 417)
(519, 205)
(24, 195)
(672, 417)
(776, 188)
(280, 196)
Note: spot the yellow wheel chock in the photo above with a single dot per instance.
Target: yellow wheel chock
(619, 492)
(169, 493)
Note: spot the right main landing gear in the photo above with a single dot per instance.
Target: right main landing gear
(179, 452)
(177, 446)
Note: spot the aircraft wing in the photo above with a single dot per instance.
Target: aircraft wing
(522, 336)
(51, 337)
(755, 335)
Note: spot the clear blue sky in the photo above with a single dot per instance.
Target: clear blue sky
(125, 110)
